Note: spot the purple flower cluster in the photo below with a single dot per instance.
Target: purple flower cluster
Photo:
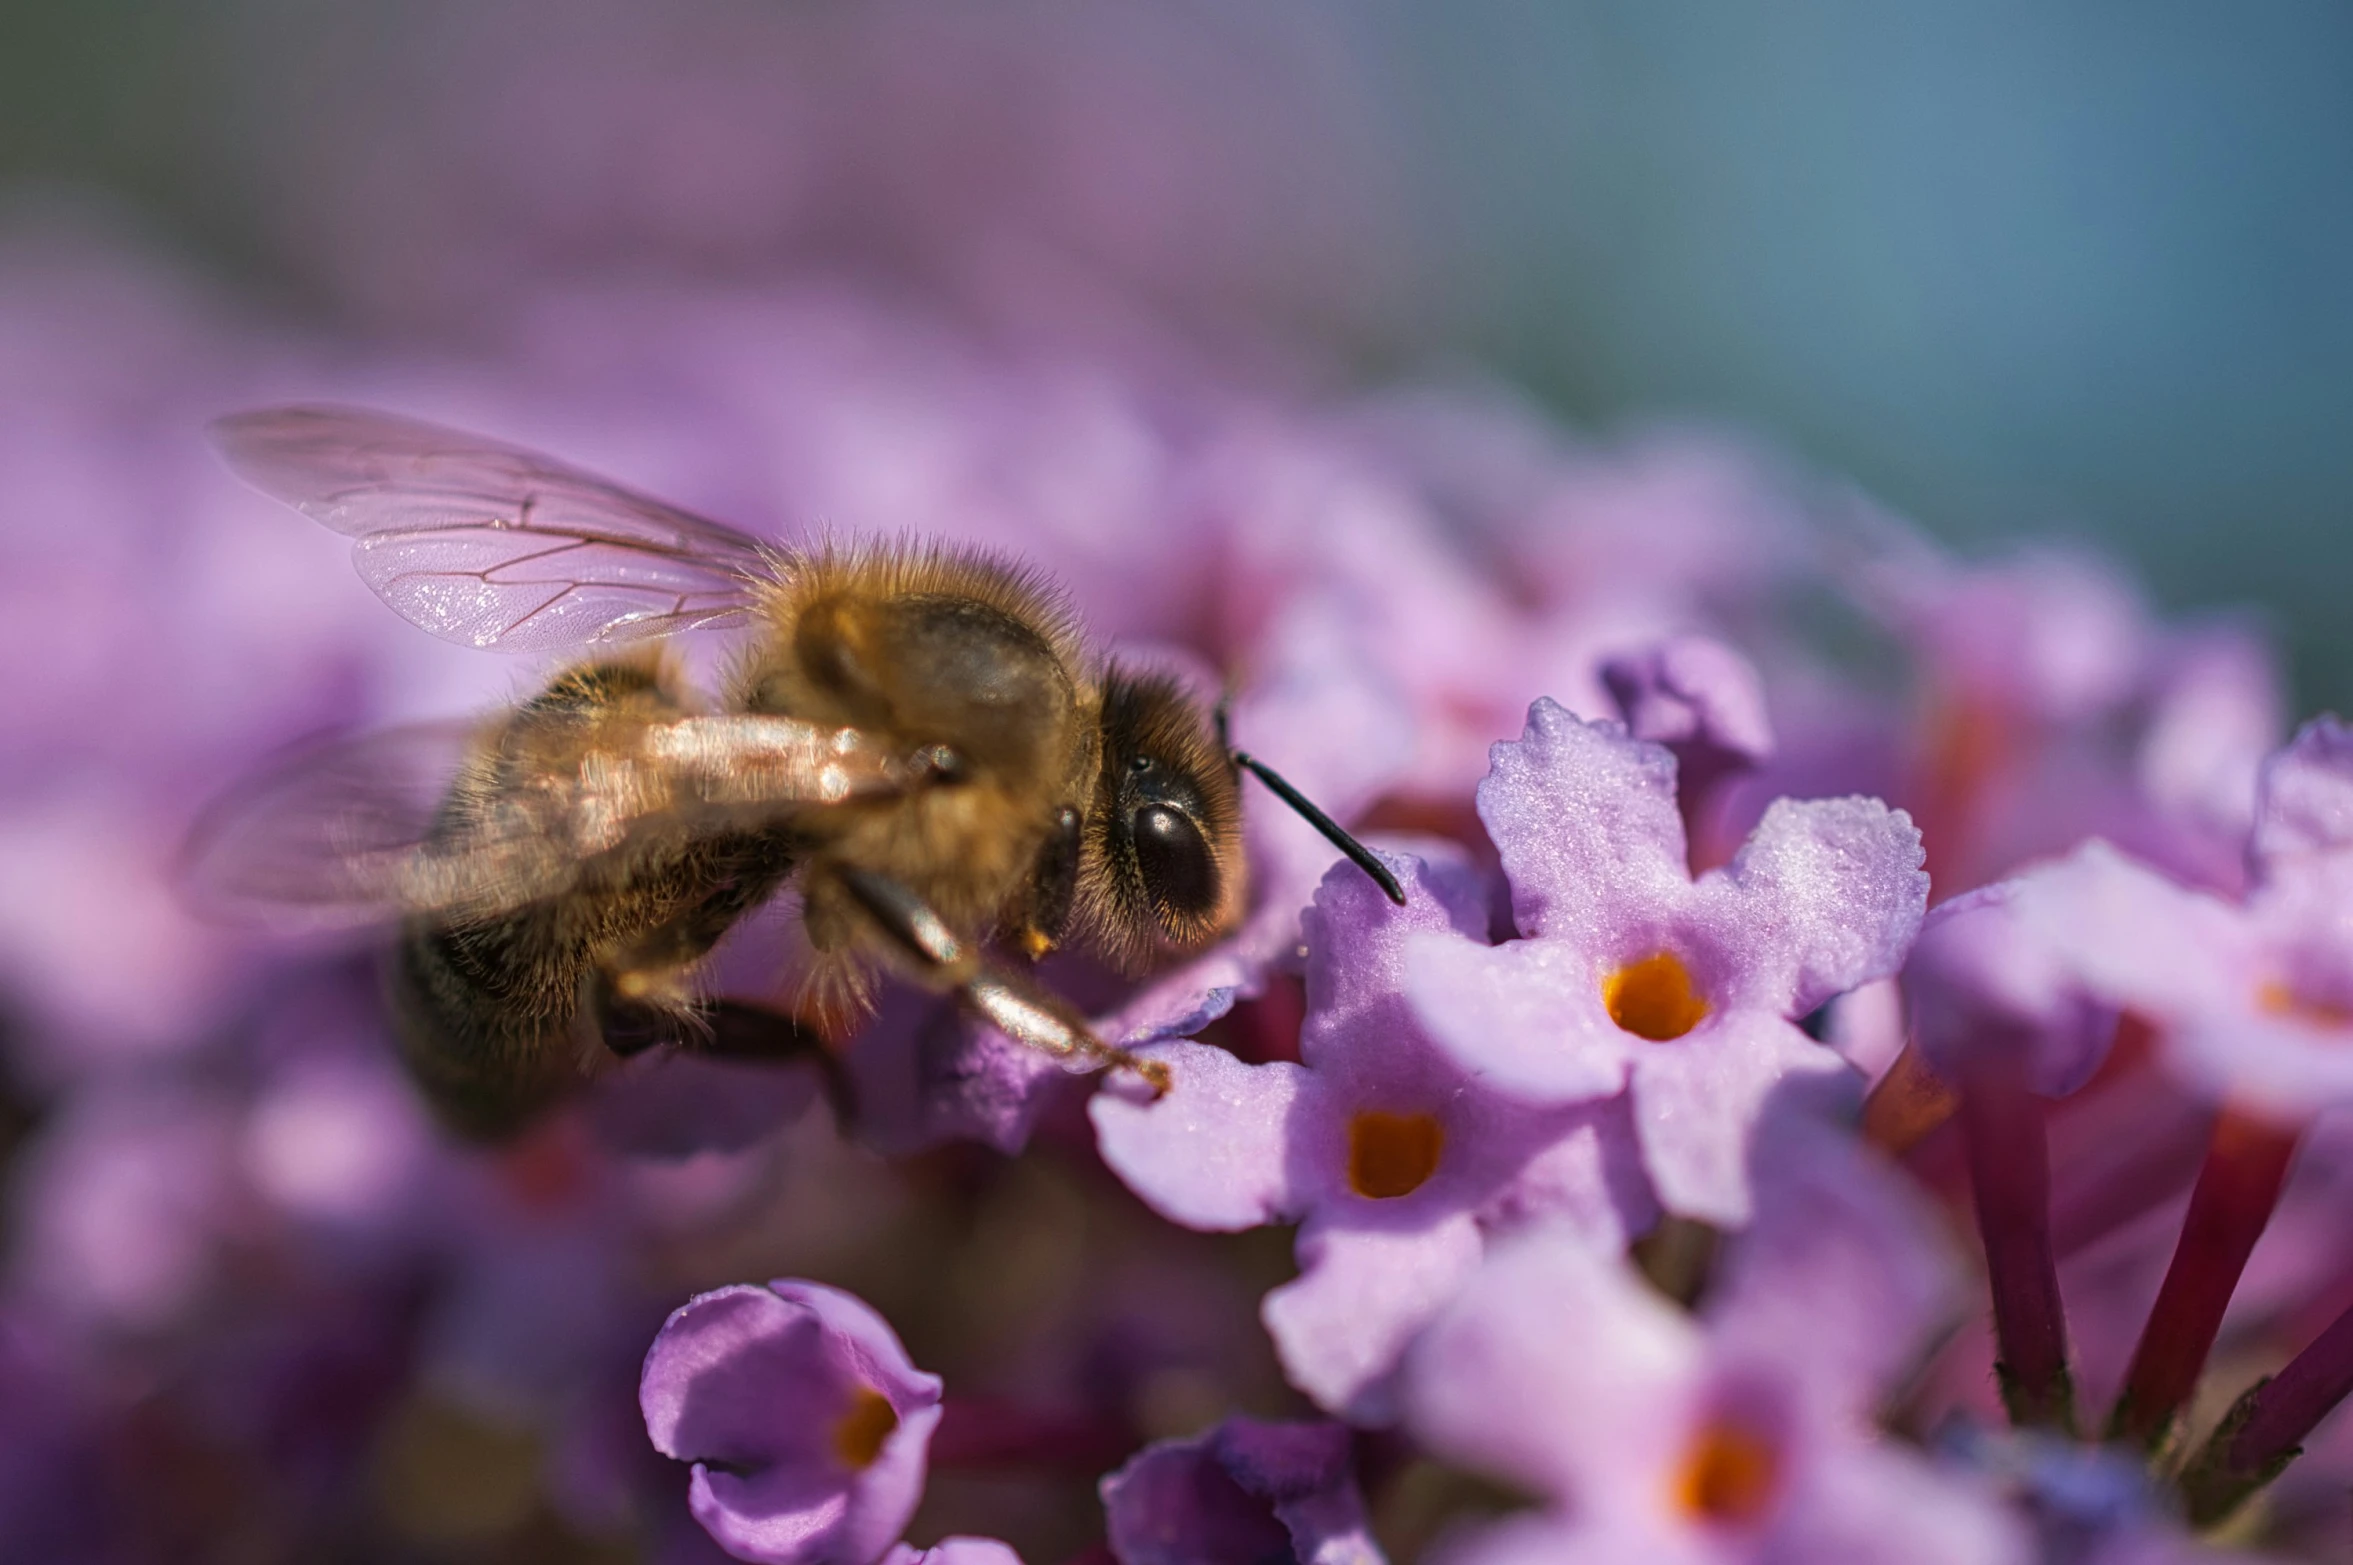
(1809, 1105)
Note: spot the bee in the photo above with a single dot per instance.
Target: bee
(915, 736)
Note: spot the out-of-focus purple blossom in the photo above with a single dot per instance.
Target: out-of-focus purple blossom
(1395, 1161)
(1984, 977)
(1698, 698)
(2305, 800)
(1705, 703)
(2051, 706)
(1246, 1490)
(2049, 635)
(954, 1551)
(2088, 1505)
(806, 1423)
(52, 1496)
(2216, 713)
(123, 1205)
(2248, 999)
(337, 1139)
(1058, 171)
(1634, 976)
(1736, 1436)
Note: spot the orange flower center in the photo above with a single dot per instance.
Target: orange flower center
(1390, 1155)
(859, 1433)
(1653, 998)
(2279, 997)
(1729, 1476)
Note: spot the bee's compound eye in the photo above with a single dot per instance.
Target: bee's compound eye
(1179, 874)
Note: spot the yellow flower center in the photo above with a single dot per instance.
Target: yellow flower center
(2279, 997)
(1653, 998)
(1729, 1476)
(1390, 1155)
(859, 1433)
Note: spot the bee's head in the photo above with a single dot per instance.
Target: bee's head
(1164, 866)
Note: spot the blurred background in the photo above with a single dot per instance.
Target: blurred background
(2075, 267)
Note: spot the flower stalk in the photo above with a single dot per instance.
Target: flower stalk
(2010, 1179)
(2238, 1186)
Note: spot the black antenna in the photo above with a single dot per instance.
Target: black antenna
(1334, 833)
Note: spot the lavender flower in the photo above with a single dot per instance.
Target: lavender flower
(805, 1421)
(1394, 1160)
(1634, 977)
(1732, 1437)
(2248, 999)
(1246, 1490)
(1697, 697)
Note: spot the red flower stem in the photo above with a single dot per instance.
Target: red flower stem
(2246, 1163)
(2010, 1177)
(2266, 1430)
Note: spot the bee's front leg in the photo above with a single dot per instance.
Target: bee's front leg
(1013, 1005)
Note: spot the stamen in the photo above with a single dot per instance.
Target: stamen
(1729, 1477)
(1392, 1155)
(859, 1433)
(1653, 998)
(2246, 1164)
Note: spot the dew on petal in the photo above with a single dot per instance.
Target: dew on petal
(1392, 1155)
(1729, 1477)
(858, 1435)
(1654, 998)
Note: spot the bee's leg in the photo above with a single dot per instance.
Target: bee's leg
(639, 992)
(743, 1030)
(724, 1029)
(1053, 888)
(1013, 1005)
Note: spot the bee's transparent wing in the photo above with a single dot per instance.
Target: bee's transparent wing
(403, 821)
(490, 545)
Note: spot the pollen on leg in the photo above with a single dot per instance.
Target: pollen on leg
(1391, 1155)
(1729, 1476)
(1654, 998)
(859, 1432)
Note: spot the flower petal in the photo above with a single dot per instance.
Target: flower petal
(2305, 796)
(1363, 1291)
(1559, 1372)
(1873, 1506)
(1696, 696)
(1696, 1105)
(1825, 894)
(1839, 1271)
(1525, 1017)
(1246, 1490)
(1986, 974)
(750, 1384)
(1214, 1151)
(1584, 819)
